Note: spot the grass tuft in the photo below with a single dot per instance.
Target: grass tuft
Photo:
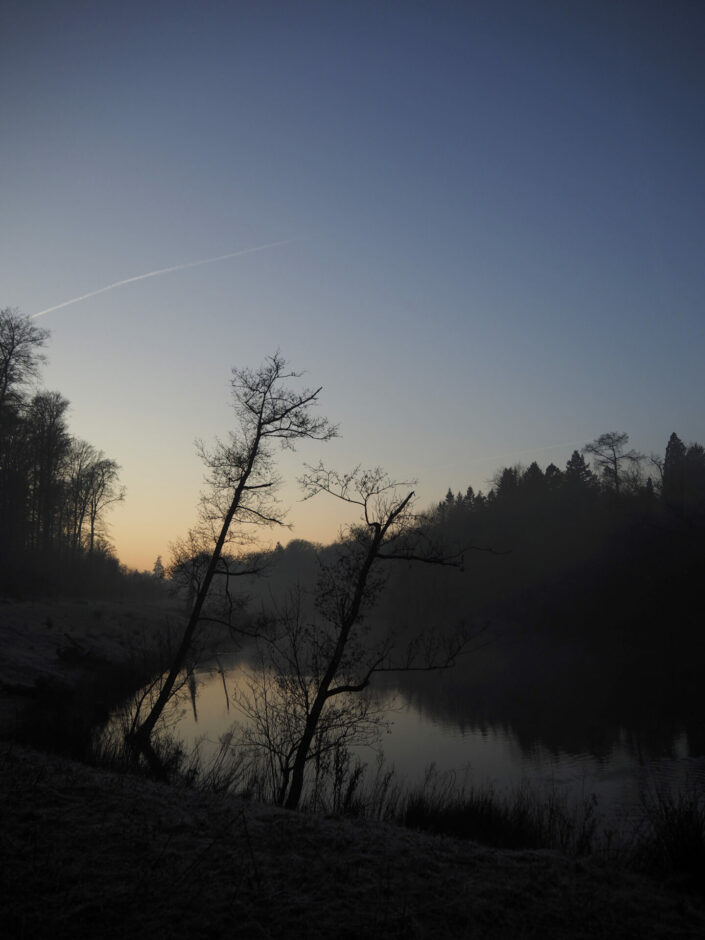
(523, 819)
(671, 840)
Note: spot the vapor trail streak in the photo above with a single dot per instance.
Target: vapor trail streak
(142, 277)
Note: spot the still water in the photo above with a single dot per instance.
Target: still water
(485, 728)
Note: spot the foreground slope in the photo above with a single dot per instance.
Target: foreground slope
(87, 852)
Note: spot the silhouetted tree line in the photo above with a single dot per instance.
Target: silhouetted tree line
(55, 489)
(614, 539)
(589, 584)
(609, 547)
(592, 596)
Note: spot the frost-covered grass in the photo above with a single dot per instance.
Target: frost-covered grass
(86, 852)
(523, 819)
(671, 839)
(665, 838)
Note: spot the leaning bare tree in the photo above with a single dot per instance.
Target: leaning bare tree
(242, 483)
(304, 703)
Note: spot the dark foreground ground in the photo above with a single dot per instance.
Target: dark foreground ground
(85, 852)
(89, 853)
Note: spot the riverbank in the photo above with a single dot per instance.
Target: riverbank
(56, 640)
(48, 648)
(85, 852)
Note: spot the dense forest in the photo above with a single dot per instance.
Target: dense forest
(55, 490)
(610, 545)
(615, 539)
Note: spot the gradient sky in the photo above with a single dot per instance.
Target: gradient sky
(493, 215)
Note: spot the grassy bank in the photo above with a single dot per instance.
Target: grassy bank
(662, 834)
(64, 666)
(86, 852)
(665, 839)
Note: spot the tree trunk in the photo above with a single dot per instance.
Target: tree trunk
(140, 740)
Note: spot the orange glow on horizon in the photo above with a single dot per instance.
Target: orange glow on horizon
(139, 540)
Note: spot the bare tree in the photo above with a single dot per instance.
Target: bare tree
(242, 483)
(190, 557)
(79, 461)
(54, 489)
(616, 465)
(306, 702)
(657, 461)
(277, 698)
(190, 560)
(103, 491)
(49, 444)
(20, 358)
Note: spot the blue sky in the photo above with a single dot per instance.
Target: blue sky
(493, 215)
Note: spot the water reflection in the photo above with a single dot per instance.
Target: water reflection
(577, 728)
(571, 701)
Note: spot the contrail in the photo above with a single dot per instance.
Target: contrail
(142, 277)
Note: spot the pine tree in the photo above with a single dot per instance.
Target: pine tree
(554, 477)
(695, 480)
(674, 467)
(577, 472)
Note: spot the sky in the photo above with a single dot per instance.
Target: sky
(480, 226)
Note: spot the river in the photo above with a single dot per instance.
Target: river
(579, 728)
